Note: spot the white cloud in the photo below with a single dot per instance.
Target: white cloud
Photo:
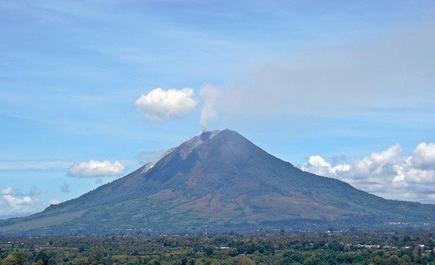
(160, 104)
(317, 165)
(387, 173)
(377, 163)
(407, 174)
(15, 201)
(424, 156)
(418, 168)
(94, 168)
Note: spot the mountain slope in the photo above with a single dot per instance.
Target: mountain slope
(219, 180)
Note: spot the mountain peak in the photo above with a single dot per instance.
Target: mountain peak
(225, 136)
(209, 135)
(219, 180)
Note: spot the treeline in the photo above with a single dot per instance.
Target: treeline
(278, 248)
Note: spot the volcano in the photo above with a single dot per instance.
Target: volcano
(220, 181)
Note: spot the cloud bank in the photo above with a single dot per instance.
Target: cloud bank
(161, 105)
(387, 173)
(94, 168)
(15, 201)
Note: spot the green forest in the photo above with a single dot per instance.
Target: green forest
(265, 248)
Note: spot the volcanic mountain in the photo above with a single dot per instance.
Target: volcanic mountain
(219, 181)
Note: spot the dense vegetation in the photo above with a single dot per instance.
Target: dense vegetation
(299, 248)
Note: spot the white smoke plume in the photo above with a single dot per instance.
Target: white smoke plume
(211, 96)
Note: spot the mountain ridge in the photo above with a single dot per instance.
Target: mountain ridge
(219, 180)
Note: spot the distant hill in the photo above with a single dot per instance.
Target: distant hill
(219, 181)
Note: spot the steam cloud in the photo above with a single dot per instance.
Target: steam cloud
(393, 71)
(211, 97)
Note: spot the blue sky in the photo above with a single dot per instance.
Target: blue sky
(337, 79)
